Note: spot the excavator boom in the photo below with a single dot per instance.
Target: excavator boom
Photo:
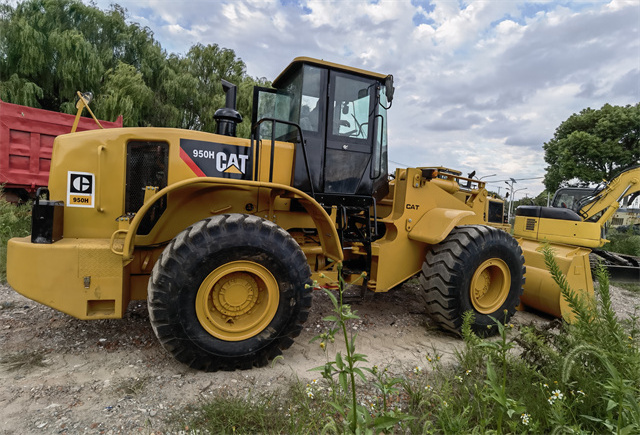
(607, 199)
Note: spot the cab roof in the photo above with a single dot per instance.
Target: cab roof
(322, 63)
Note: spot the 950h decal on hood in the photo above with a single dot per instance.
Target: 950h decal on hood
(213, 159)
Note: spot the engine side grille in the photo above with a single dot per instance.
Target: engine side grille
(531, 225)
(496, 212)
(147, 164)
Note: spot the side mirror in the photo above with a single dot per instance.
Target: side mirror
(389, 89)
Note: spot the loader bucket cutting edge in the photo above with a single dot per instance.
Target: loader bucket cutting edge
(541, 291)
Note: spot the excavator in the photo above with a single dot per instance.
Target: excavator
(574, 231)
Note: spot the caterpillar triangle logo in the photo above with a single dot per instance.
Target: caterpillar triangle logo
(233, 169)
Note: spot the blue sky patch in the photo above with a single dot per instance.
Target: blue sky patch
(305, 10)
(419, 18)
(424, 4)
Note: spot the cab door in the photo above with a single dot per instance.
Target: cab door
(349, 135)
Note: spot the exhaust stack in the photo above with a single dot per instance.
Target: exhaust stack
(228, 117)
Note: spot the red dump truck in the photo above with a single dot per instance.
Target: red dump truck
(26, 140)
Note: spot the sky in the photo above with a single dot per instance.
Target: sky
(480, 85)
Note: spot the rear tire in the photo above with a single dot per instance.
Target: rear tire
(476, 268)
(229, 293)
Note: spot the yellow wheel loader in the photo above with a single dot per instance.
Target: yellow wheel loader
(573, 228)
(222, 236)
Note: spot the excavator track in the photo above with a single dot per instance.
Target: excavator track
(621, 267)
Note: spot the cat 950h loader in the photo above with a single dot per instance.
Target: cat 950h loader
(223, 235)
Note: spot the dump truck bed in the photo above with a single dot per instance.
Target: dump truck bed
(26, 140)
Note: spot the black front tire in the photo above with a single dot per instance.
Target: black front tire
(229, 293)
(476, 268)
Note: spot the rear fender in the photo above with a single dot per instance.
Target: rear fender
(329, 239)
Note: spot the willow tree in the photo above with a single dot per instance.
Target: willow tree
(49, 49)
(53, 48)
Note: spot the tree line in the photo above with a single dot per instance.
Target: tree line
(49, 49)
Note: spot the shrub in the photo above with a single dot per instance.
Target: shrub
(623, 242)
(15, 221)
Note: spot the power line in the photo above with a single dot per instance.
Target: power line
(516, 179)
(398, 163)
(486, 182)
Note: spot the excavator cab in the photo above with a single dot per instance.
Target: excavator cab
(571, 197)
(337, 116)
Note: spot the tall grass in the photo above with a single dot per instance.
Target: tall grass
(15, 221)
(623, 242)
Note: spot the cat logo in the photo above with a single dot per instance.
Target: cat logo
(212, 159)
(80, 189)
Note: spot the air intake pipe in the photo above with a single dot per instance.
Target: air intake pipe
(228, 117)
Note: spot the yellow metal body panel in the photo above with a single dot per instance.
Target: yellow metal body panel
(80, 277)
(226, 196)
(420, 213)
(578, 233)
(335, 66)
(540, 290)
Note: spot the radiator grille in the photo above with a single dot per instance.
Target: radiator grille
(147, 164)
(531, 225)
(496, 212)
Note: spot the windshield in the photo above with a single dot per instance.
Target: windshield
(351, 107)
(570, 197)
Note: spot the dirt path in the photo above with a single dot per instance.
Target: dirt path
(112, 376)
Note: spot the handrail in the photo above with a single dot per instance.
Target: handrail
(256, 133)
(98, 187)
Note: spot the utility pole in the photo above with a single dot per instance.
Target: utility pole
(510, 184)
(513, 199)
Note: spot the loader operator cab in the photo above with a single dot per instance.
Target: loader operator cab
(341, 115)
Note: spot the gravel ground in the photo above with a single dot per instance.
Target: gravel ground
(112, 376)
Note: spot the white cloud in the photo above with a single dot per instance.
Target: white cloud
(480, 84)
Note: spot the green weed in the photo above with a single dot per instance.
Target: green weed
(632, 287)
(15, 221)
(341, 371)
(299, 410)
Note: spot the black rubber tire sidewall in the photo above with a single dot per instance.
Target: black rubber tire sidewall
(208, 245)
(461, 253)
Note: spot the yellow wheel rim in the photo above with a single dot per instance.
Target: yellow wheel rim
(490, 286)
(237, 301)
